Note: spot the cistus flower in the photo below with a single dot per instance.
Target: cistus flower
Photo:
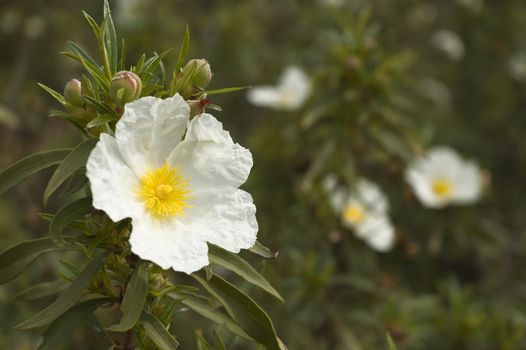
(365, 209)
(290, 94)
(125, 87)
(179, 193)
(73, 92)
(442, 177)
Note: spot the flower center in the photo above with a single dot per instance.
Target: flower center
(164, 192)
(442, 188)
(354, 214)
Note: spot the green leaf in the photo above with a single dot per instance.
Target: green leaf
(61, 327)
(218, 342)
(244, 310)
(134, 298)
(74, 161)
(101, 120)
(110, 37)
(240, 267)
(67, 299)
(57, 96)
(67, 215)
(99, 106)
(93, 24)
(225, 90)
(30, 165)
(261, 250)
(184, 49)
(390, 342)
(202, 344)
(15, 259)
(157, 332)
(205, 310)
(41, 290)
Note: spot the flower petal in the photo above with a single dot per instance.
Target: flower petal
(264, 96)
(226, 218)
(378, 233)
(208, 158)
(112, 181)
(149, 130)
(169, 244)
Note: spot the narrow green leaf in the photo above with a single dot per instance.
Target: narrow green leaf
(240, 267)
(15, 259)
(122, 63)
(93, 24)
(22, 169)
(244, 310)
(218, 342)
(157, 332)
(134, 298)
(225, 90)
(79, 51)
(62, 326)
(41, 290)
(214, 107)
(110, 38)
(184, 49)
(261, 250)
(67, 299)
(74, 161)
(67, 215)
(75, 184)
(99, 106)
(202, 344)
(56, 95)
(101, 120)
(205, 310)
(390, 342)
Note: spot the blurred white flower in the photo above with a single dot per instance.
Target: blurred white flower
(290, 94)
(442, 177)
(365, 211)
(180, 194)
(449, 43)
(517, 66)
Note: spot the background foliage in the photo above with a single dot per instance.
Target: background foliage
(455, 277)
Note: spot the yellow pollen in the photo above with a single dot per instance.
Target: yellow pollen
(354, 214)
(164, 192)
(442, 188)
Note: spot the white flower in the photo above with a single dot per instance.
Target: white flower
(179, 194)
(442, 177)
(365, 210)
(290, 94)
(449, 43)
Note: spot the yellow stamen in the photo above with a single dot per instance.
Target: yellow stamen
(353, 214)
(164, 192)
(442, 187)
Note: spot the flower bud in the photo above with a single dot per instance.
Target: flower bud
(125, 87)
(73, 92)
(202, 72)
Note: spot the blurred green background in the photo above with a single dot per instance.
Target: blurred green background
(455, 278)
